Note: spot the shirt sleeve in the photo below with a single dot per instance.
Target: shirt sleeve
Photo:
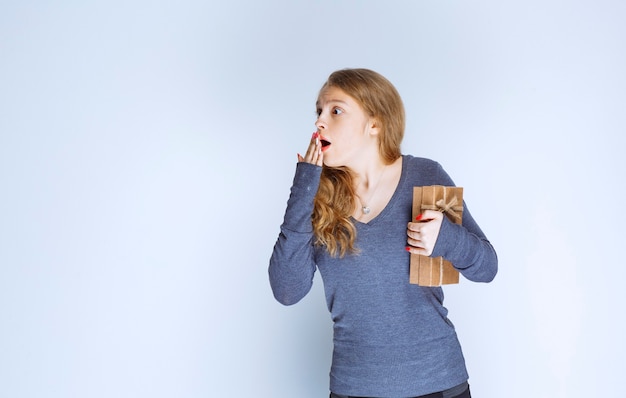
(292, 265)
(465, 245)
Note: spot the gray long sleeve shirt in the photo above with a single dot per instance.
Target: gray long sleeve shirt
(391, 338)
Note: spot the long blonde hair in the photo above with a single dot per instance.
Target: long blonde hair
(335, 199)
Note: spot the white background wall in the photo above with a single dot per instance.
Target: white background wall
(146, 154)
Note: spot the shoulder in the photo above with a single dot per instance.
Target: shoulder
(418, 162)
(424, 171)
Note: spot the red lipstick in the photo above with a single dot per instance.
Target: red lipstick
(325, 143)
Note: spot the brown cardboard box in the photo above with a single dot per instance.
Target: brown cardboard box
(429, 271)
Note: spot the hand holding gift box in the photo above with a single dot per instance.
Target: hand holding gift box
(429, 271)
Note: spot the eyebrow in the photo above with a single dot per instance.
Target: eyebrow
(317, 103)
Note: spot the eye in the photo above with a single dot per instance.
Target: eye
(337, 111)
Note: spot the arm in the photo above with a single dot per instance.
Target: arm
(465, 246)
(292, 265)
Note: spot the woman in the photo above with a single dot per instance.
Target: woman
(349, 215)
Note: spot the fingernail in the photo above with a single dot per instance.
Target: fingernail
(315, 135)
(408, 248)
(419, 217)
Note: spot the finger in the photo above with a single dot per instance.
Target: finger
(414, 226)
(317, 155)
(415, 243)
(417, 235)
(417, 250)
(429, 215)
(316, 152)
(313, 153)
(310, 152)
(320, 154)
(423, 218)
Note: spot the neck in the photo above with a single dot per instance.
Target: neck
(369, 175)
(374, 185)
(367, 168)
(368, 182)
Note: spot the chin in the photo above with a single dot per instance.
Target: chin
(330, 163)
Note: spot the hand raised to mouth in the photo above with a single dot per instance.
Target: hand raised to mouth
(314, 152)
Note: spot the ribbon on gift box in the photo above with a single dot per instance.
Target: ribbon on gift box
(450, 208)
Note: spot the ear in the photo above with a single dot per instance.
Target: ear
(374, 126)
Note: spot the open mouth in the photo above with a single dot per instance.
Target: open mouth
(325, 144)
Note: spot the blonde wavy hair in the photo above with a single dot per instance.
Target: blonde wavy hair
(336, 197)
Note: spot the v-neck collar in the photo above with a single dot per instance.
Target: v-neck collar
(392, 201)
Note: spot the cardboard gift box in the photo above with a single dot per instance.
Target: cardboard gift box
(429, 271)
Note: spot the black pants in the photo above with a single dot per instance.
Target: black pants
(464, 394)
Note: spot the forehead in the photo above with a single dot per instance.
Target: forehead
(335, 94)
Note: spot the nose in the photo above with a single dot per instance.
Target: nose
(320, 124)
